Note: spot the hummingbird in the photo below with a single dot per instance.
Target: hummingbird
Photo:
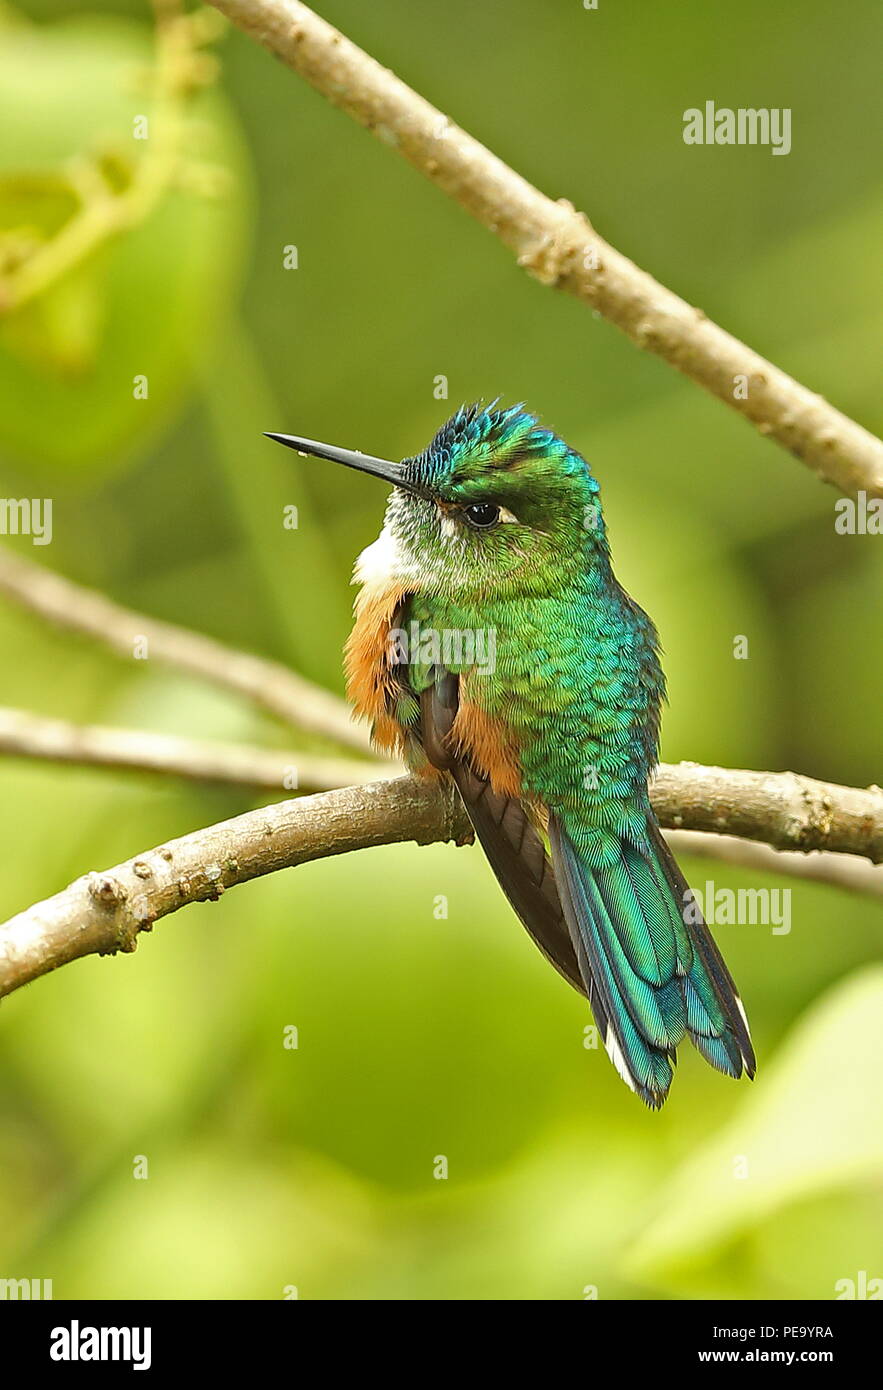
(493, 645)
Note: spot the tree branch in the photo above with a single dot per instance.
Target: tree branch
(784, 809)
(557, 245)
(267, 684)
(26, 735)
(103, 913)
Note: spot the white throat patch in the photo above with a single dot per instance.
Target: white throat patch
(382, 563)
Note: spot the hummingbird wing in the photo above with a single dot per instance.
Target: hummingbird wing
(620, 934)
(513, 846)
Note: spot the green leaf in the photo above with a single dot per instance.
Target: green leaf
(812, 1126)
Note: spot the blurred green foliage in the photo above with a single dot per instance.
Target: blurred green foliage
(271, 1167)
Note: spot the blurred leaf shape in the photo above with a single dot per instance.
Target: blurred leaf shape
(231, 1226)
(122, 192)
(33, 207)
(813, 1126)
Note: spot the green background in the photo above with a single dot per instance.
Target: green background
(418, 1037)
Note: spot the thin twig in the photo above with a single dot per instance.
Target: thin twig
(105, 912)
(26, 735)
(267, 684)
(784, 810)
(840, 870)
(557, 245)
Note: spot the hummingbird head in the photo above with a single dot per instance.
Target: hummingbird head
(494, 503)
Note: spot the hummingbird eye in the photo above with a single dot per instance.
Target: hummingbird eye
(482, 515)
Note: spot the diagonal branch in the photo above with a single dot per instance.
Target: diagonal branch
(104, 912)
(558, 246)
(101, 913)
(267, 684)
(26, 735)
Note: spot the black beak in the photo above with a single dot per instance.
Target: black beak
(378, 468)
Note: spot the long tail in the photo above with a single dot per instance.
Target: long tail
(651, 960)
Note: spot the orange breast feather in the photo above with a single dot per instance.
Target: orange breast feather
(370, 682)
(487, 743)
(371, 687)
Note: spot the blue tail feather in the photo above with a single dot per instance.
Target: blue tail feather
(653, 966)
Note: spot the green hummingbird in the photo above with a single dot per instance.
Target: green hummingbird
(493, 644)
